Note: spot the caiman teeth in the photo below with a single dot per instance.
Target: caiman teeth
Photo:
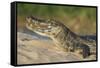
(49, 26)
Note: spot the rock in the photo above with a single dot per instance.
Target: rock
(33, 50)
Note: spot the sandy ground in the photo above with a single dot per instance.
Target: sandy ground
(32, 50)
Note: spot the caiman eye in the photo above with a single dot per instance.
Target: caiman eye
(28, 20)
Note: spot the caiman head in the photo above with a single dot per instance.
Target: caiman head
(45, 27)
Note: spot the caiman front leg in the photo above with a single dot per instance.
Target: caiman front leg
(84, 50)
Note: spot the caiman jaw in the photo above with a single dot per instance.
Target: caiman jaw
(42, 27)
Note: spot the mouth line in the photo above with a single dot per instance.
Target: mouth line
(37, 19)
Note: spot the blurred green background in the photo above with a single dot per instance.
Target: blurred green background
(81, 20)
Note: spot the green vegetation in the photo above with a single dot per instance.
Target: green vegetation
(81, 20)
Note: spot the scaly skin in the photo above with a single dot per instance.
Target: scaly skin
(61, 35)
